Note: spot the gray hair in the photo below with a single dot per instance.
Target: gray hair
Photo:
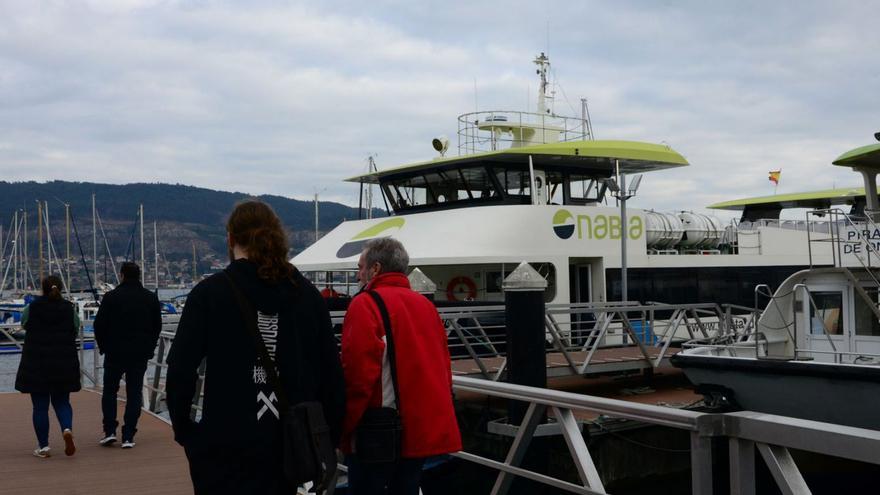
(388, 252)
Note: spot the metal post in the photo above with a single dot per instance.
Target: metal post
(524, 321)
(156, 255)
(742, 467)
(624, 293)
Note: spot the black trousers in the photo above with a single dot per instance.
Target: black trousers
(397, 478)
(234, 471)
(134, 395)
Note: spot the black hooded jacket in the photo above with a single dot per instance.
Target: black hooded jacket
(128, 323)
(48, 361)
(240, 407)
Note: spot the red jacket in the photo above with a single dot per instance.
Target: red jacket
(424, 373)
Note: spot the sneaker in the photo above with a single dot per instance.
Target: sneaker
(108, 440)
(69, 447)
(42, 452)
(127, 444)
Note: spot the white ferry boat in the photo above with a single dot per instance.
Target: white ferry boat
(815, 352)
(537, 187)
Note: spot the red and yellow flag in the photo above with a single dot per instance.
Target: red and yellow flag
(774, 176)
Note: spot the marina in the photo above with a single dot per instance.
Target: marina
(655, 263)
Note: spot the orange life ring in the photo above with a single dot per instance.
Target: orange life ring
(459, 285)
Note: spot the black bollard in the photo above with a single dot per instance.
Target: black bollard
(420, 283)
(524, 315)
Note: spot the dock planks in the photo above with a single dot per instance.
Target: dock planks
(156, 464)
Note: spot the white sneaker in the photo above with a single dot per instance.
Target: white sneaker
(42, 452)
(108, 440)
(127, 444)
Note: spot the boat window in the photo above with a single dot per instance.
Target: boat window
(826, 313)
(441, 188)
(583, 189)
(514, 182)
(866, 320)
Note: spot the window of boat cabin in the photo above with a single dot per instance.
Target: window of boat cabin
(583, 189)
(826, 314)
(516, 184)
(866, 320)
(441, 189)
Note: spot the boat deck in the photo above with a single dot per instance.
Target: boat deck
(155, 465)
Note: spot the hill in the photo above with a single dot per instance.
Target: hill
(185, 216)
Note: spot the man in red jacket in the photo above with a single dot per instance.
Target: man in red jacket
(424, 376)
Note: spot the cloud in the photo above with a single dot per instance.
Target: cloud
(289, 98)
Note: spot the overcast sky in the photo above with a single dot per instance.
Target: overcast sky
(289, 98)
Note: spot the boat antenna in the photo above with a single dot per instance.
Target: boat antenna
(543, 63)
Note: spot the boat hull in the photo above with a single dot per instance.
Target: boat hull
(833, 393)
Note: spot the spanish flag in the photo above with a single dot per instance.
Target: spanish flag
(774, 176)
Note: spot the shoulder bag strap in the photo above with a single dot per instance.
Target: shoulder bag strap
(249, 314)
(389, 339)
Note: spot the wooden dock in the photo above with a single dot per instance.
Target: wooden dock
(608, 360)
(155, 465)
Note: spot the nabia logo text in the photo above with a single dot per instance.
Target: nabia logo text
(587, 226)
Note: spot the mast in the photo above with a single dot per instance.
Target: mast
(49, 246)
(194, 262)
(316, 217)
(94, 242)
(143, 266)
(40, 236)
(543, 63)
(370, 190)
(156, 255)
(15, 253)
(25, 265)
(67, 243)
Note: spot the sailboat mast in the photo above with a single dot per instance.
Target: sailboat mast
(194, 262)
(143, 266)
(40, 236)
(156, 255)
(94, 242)
(15, 253)
(67, 243)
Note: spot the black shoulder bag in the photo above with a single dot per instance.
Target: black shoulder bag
(308, 450)
(378, 435)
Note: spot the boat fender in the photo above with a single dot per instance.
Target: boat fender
(461, 286)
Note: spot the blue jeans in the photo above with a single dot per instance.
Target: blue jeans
(61, 403)
(397, 478)
(134, 399)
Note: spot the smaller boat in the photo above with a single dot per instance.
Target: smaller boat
(815, 350)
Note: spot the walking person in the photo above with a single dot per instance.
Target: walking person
(127, 328)
(236, 447)
(405, 367)
(49, 367)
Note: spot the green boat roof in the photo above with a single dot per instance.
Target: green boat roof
(813, 199)
(593, 156)
(863, 156)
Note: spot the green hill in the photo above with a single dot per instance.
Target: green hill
(185, 215)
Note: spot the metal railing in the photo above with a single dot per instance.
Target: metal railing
(493, 130)
(746, 433)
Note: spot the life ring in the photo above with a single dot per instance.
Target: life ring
(455, 289)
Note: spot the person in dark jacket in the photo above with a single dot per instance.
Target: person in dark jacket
(235, 448)
(127, 328)
(49, 367)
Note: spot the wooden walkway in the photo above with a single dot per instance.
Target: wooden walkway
(608, 360)
(155, 465)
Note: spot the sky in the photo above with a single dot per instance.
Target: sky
(289, 98)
